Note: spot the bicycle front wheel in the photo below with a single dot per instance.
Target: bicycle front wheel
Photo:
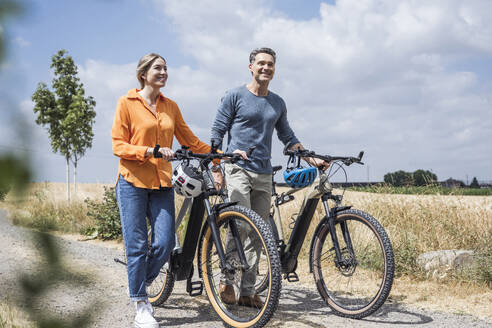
(261, 254)
(262, 281)
(361, 282)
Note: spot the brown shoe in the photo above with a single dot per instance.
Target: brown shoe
(253, 301)
(227, 294)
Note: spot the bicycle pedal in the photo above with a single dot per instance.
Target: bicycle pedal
(117, 260)
(291, 277)
(194, 288)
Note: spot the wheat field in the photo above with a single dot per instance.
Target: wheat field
(414, 223)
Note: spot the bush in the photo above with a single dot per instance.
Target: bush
(4, 190)
(399, 178)
(106, 215)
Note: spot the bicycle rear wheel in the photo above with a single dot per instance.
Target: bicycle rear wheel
(265, 257)
(360, 285)
(161, 288)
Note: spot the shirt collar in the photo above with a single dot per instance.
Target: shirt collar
(133, 94)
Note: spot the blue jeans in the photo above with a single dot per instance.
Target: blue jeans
(135, 205)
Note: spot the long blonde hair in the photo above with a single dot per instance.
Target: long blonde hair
(144, 65)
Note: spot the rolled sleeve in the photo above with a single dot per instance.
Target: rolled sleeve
(120, 134)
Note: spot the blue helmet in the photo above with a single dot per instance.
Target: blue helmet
(300, 177)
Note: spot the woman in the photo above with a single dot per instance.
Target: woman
(143, 119)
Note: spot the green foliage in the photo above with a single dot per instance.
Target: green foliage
(424, 178)
(106, 215)
(399, 178)
(424, 190)
(14, 172)
(474, 183)
(406, 251)
(67, 114)
(7, 9)
(4, 190)
(49, 275)
(417, 178)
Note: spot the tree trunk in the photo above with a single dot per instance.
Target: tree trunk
(75, 177)
(68, 179)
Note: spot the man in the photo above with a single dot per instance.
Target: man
(249, 114)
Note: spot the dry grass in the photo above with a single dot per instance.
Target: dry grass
(43, 206)
(418, 224)
(12, 317)
(415, 224)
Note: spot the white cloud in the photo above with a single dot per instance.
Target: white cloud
(379, 75)
(376, 75)
(21, 42)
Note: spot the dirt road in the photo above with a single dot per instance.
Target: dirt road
(299, 306)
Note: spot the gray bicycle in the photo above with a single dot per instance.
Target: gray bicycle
(351, 257)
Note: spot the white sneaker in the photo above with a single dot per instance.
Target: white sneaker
(150, 305)
(144, 317)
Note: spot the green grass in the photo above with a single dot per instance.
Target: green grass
(424, 190)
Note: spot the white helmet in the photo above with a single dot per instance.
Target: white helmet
(187, 181)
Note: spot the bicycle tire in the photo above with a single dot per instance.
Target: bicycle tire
(235, 315)
(161, 288)
(361, 286)
(262, 283)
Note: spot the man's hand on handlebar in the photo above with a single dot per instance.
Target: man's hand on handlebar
(316, 162)
(243, 154)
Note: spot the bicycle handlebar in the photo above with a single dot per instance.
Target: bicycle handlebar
(347, 160)
(184, 153)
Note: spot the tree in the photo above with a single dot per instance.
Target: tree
(14, 170)
(474, 183)
(399, 178)
(424, 178)
(80, 119)
(7, 8)
(66, 112)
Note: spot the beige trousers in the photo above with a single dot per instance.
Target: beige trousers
(254, 191)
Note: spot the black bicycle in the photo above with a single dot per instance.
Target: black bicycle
(212, 260)
(351, 256)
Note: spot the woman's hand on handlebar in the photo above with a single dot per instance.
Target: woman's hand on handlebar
(166, 153)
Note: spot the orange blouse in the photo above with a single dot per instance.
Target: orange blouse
(136, 127)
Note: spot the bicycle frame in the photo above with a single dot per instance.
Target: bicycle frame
(181, 262)
(289, 252)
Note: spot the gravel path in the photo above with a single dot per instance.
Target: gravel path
(299, 306)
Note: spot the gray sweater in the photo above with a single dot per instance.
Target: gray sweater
(249, 121)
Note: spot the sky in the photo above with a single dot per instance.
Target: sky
(408, 81)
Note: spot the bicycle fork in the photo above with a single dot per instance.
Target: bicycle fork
(340, 260)
(212, 222)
